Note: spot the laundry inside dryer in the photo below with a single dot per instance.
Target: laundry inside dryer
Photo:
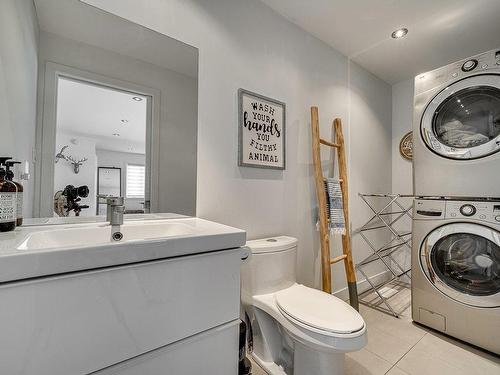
(469, 118)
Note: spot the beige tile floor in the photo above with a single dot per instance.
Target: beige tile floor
(256, 370)
(397, 346)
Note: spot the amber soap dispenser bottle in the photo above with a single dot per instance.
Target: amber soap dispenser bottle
(8, 200)
(10, 176)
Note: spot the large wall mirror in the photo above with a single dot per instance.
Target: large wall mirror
(92, 100)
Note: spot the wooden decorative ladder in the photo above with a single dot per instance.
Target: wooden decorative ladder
(346, 257)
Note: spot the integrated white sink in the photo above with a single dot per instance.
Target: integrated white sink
(101, 235)
(41, 250)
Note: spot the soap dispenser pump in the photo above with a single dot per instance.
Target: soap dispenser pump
(10, 176)
(8, 201)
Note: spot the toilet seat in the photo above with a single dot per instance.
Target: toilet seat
(318, 311)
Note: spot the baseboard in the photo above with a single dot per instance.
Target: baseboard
(363, 285)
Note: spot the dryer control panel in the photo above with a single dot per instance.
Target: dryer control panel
(478, 210)
(487, 62)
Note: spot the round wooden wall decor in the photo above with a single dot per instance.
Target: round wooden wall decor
(406, 146)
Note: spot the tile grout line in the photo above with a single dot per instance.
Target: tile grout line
(376, 355)
(409, 350)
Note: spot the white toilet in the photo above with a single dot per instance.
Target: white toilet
(295, 329)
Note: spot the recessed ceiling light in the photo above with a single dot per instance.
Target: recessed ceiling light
(116, 134)
(137, 98)
(399, 33)
(124, 121)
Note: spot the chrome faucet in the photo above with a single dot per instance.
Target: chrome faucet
(114, 214)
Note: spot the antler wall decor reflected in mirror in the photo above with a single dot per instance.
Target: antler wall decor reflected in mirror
(76, 163)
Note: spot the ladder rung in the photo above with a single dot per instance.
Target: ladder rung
(328, 143)
(340, 180)
(338, 259)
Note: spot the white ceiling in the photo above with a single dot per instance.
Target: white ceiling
(440, 31)
(96, 112)
(75, 20)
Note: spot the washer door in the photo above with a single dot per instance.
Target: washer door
(463, 120)
(462, 260)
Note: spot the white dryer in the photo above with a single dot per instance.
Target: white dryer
(456, 129)
(456, 269)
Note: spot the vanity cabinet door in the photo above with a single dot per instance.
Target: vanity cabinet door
(214, 352)
(83, 322)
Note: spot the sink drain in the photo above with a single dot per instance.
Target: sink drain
(117, 236)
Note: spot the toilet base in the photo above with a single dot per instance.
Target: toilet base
(312, 362)
(307, 362)
(270, 368)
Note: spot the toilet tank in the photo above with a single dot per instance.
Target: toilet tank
(271, 267)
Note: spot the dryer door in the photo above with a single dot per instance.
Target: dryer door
(463, 120)
(462, 260)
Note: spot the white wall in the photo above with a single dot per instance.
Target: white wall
(402, 175)
(245, 44)
(79, 148)
(178, 127)
(107, 158)
(18, 82)
(370, 155)
(402, 123)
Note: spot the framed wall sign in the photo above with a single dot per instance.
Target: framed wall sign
(406, 146)
(261, 131)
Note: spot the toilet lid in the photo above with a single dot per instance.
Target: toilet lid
(319, 310)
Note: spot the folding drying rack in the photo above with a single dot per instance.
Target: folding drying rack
(391, 213)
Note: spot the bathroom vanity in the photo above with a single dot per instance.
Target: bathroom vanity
(164, 300)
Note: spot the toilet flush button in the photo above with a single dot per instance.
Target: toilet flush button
(497, 218)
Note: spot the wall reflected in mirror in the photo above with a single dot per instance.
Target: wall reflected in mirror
(92, 100)
(100, 143)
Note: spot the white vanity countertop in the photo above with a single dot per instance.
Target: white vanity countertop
(29, 252)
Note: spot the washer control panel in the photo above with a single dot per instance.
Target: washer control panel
(468, 210)
(442, 209)
(477, 210)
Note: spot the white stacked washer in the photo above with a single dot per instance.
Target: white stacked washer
(456, 236)
(456, 269)
(456, 129)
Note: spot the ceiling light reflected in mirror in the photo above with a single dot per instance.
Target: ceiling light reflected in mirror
(399, 33)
